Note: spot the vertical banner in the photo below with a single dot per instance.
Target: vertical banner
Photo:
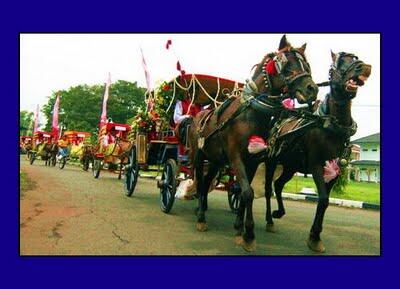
(103, 118)
(146, 71)
(54, 126)
(36, 121)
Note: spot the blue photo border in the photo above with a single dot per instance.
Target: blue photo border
(74, 16)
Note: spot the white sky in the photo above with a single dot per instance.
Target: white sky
(49, 62)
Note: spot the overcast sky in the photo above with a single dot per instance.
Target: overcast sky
(49, 62)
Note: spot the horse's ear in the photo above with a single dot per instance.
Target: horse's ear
(302, 49)
(334, 56)
(283, 43)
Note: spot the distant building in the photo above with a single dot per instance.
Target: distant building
(365, 164)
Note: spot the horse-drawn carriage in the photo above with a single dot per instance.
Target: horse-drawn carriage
(25, 144)
(113, 147)
(156, 142)
(78, 147)
(43, 146)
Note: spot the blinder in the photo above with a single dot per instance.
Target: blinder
(279, 61)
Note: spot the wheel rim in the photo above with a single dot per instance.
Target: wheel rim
(234, 198)
(166, 190)
(132, 173)
(96, 168)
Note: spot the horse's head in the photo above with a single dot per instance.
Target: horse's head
(347, 73)
(286, 72)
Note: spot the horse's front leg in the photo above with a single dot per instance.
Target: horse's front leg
(270, 166)
(279, 184)
(314, 242)
(244, 175)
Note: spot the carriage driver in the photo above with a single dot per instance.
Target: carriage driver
(184, 109)
(63, 147)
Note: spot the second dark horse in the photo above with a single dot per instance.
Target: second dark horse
(308, 152)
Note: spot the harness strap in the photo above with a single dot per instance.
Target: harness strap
(225, 123)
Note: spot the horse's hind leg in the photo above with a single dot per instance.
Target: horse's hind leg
(201, 191)
(286, 176)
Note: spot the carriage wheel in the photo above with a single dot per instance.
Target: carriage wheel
(62, 163)
(131, 173)
(167, 185)
(234, 197)
(86, 164)
(32, 158)
(96, 168)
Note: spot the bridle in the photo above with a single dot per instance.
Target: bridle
(337, 72)
(275, 63)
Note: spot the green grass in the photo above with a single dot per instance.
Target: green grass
(357, 191)
(25, 183)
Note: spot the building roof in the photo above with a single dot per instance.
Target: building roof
(366, 162)
(368, 139)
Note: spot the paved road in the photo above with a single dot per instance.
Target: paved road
(70, 212)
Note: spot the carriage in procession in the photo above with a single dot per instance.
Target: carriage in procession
(112, 148)
(25, 144)
(43, 146)
(158, 138)
(75, 145)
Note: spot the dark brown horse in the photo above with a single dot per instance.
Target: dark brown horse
(308, 151)
(87, 156)
(223, 139)
(47, 152)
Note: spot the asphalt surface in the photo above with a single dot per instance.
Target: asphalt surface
(68, 212)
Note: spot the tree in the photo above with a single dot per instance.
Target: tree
(25, 122)
(80, 106)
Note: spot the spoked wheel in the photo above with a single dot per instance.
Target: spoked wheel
(234, 197)
(167, 185)
(131, 173)
(32, 158)
(96, 168)
(62, 163)
(86, 164)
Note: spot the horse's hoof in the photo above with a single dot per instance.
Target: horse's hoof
(249, 246)
(270, 228)
(316, 246)
(239, 240)
(278, 214)
(201, 227)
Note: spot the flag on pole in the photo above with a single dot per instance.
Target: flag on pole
(169, 42)
(36, 121)
(103, 118)
(54, 126)
(146, 72)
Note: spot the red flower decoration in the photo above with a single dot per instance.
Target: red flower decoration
(166, 87)
(270, 68)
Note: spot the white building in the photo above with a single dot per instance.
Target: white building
(367, 167)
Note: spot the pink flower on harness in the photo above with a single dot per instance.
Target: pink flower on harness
(288, 103)
(256, 144)
(331, 170)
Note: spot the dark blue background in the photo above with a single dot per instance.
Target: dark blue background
(196, 16)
